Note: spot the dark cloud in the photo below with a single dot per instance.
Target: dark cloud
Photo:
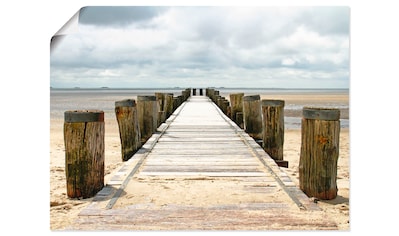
(117, 15)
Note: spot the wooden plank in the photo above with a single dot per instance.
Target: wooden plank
(201, 163)
(204, 145)
(224, 139)
(198, 128)
(199, 151)
(244, 216)
(209, 174)
(210, 143)
(198, 160)
(199, 169)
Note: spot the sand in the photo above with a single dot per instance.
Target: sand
(64, 211)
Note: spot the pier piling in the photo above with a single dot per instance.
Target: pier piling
(252, 116)
(129, 130)
(236, 105)
(319, 152)
(273, 129)
(147, 111)
(84, 152)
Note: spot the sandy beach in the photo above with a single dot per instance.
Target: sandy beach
(63, 211)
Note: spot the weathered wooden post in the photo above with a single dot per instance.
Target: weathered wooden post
(226, 106)
(220, 103)
(147, 111)
(251, 107)
(240, 119)
(168, 105)
(129, 130)
(175, 103)
(181, 100)
(194, 92)
(186, 94)
(236, 105)
(273, 129)
(228, 114)
(160, 104)
(210, 92)
(319, 152)
(201, 93)
(84, 152)
(215, 96)
(223, 104)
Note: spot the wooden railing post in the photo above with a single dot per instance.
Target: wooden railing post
(186, 94)
(175, 103)
(215, 96)
(84, 152)
(221, 104)
(236, 105)
(129, 130)
(273, 129)
(201, 93)
(210, 93)
(252, 116)
(168, 105)
(319, 152)
(160, 104)
(240, 119)
(181, 100)
(194, 92)
(147, 111)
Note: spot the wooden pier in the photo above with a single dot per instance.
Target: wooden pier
(200, 171)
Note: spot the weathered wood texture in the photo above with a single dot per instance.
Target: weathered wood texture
(240, 119)
(252, 114)
(273, 127)
(223, 104)
(129, 129)
(319, 152)
(236, 105)
(176, 103)
(241, 216)
(168, 105)
(186, 94)
(84, 152)
(147, 111)
(209, 92)
(160, 104)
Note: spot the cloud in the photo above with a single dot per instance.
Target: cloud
(117, 16)
(184, 46)
(327, 20)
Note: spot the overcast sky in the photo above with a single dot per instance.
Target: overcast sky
(260, 47)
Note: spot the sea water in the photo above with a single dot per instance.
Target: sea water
(62, 100)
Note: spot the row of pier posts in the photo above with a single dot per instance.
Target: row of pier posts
(84, 137)
(263, 120)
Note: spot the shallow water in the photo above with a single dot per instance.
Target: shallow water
(62, 100)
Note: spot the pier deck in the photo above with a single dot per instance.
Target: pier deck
(200, 171)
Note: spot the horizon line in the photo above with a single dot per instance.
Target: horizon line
(197, 87)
